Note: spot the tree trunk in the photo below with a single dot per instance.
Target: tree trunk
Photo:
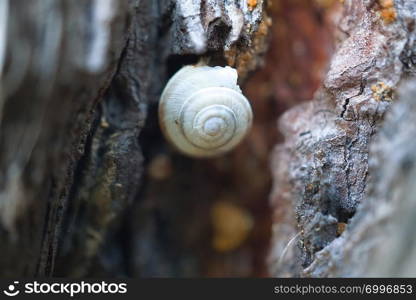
(80, 83)
(342, 178)
(89, 186)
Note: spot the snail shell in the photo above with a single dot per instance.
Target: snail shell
(202, 111)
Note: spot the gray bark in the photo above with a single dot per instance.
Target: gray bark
(379, 241)
(80, 81)
(322, 172)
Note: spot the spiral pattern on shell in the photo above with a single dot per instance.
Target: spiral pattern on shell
(202, 111)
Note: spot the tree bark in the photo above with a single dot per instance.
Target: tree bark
(89, 187)
(333, 213)
(80, 82)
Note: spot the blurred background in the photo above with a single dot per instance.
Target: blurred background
(228, 221)
(88, 185)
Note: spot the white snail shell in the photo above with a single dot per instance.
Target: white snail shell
(202, 111)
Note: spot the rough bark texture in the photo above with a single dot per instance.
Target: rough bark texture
(89, 187)
(382, 230)
(321, 171)
(80, 82)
